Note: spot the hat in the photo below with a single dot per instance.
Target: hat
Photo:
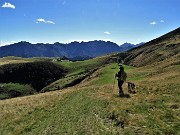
(120, 65)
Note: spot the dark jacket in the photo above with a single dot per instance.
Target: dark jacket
(121, 75)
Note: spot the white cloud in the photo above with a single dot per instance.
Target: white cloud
(8, 5)
(50, 22)
(106, 32)
(153, 23)
(44, 21)
(40, 20)
(162, 21)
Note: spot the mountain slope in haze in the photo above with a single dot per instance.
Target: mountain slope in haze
(128, 46)
(164, 47)
(75, 49)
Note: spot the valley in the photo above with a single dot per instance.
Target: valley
(86, 101)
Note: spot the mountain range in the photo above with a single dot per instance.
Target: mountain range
(77, 50)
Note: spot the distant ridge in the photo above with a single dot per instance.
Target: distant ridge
(82, 50)
(128, 46)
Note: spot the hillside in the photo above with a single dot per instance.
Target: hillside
(27, 78)
(92, 106)
(73, 50)
(164, 47)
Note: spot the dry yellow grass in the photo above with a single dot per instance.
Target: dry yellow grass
(12, 62)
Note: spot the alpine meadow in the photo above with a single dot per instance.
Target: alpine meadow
(66, 67)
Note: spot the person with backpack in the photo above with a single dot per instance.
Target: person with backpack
(121, 75)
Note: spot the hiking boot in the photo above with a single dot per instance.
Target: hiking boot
(121, 94)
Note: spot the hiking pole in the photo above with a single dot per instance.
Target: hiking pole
(114, 83)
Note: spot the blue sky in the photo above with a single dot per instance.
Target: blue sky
(49, 21)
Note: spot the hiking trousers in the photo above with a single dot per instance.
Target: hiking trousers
(120, 83)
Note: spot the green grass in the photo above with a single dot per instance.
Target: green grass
(70, 113)
(10, 90)
(93, 106)
(64, 82)
(108, 73)
(76, 71)
(75, 114)
(81, 66)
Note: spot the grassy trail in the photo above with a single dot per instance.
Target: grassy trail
(93, 107)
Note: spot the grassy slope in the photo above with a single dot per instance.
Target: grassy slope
(162, 48)
(78, 71)
(93, 107)
(9, 90)
(13, 60)
(36, 75)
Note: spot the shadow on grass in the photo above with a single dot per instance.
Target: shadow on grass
(122, 96)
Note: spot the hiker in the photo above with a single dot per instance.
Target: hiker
(121, 78)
